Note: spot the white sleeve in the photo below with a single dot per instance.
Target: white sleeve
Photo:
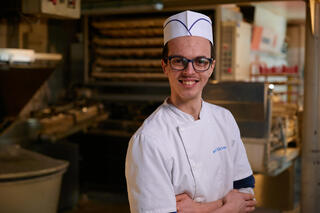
(148, 176)
(242, 168)
(247, 190)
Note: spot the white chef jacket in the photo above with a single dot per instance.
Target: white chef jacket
(171, 153)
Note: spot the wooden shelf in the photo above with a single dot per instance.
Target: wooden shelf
(284, 82)
(128, 75)
(292, 80)
(287, 93)
(275, 74)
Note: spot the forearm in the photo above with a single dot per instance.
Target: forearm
(224, 209)
(210, 207)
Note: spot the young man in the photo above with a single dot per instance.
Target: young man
(188, 155)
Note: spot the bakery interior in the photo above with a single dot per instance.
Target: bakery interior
(77, 79)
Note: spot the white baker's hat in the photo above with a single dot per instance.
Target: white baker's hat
(187, 23)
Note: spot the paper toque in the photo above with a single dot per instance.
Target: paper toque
(187, 23)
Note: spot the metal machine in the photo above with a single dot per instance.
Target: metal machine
(52, 8)
(269, 130)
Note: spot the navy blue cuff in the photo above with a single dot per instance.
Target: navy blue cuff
(244, 183)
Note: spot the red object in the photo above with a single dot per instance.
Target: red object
(274, 43)
(275, 69)
(263, 70)
(256, 37)
(289, 70)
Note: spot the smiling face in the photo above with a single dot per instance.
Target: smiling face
(188, 84)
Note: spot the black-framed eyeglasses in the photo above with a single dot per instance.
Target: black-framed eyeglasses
(199, 64)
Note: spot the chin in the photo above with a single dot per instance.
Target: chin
(190, 96)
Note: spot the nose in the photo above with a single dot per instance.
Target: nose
(189, 69)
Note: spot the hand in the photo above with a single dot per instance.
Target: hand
(186, 205)
(239, 202)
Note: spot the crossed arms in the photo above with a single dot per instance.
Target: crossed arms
(233, 202)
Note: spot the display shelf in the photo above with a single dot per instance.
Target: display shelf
(275, 74)
(284, 82)
(282, 78)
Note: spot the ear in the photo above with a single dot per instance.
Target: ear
(164, 67)
(212, 66)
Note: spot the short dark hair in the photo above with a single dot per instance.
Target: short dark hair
(165, 51)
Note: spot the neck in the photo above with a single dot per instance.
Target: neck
(192, 107)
